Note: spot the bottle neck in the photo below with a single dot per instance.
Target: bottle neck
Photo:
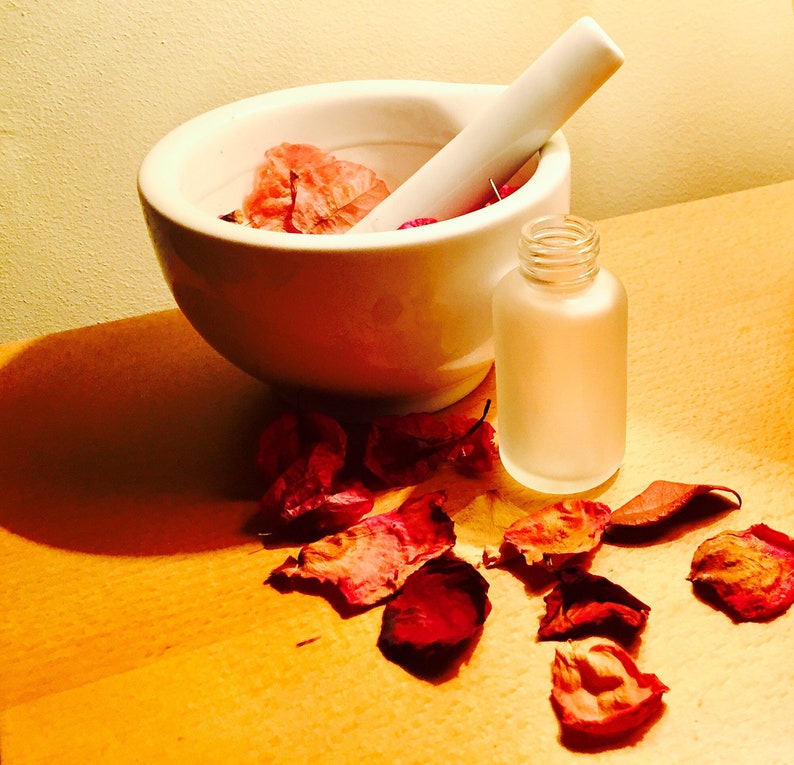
(559, 251)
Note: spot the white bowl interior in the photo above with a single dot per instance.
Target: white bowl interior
(208, 164)
(363, 132)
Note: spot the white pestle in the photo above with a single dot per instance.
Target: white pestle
(499, 140)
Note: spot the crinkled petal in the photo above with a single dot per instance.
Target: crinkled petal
(554, 534)
(403, 450)
(435, 615)
(301, 456)
(371, 560)
(598, 691)
(583, 604)
(269, 204)
(332, 197)
(750, 572)
(299, 188)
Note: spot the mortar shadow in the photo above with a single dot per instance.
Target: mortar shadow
(129, 438)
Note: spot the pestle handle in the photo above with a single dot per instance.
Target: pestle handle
(499, 140)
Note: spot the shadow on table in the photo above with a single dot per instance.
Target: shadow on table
(129, 438)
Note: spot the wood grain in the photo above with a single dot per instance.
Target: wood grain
(135, 623)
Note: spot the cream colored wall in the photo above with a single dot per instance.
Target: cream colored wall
(703, 105)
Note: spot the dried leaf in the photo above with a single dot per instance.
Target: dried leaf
(750, 573)
(482, 522)
(661, 500)
(434, 617)
(300, 188)
(583, 604)
(554, 534)
(404, 450)
(599, 692)
(371, 560)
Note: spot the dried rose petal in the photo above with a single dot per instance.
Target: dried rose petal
(659, 501)
(279, 446)
(306, 477)
(750, 572)
(583, 604)
(333, 197)
(403, 450)
(294, 434)
(434, 616)
(269, 205)
(235, 216)
(323, 512)
(300, 188)
(554, 534)
(504, 191)
(302, 455)
(371, 560)
(416, 222)
(473, 451)
(598, 691)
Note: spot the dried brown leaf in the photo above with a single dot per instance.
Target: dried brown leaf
(660, 501)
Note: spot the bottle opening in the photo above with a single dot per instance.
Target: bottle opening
(559, 249)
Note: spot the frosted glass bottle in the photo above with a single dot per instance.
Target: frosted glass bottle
(560, 335)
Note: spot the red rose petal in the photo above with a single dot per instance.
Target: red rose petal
(474, 450)
(301, 455)
(504, 191)
(279, 446)
(435, 615)
(750, 573)
(371, 560)
(554, 534)
(598, 691)
(583, 604)
(325, 512)
(331, 198)
(269, 205)
(294, 434)
(416, 222)
(404, 450)
(300, 188)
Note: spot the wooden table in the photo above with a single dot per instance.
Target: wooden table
(135, 623)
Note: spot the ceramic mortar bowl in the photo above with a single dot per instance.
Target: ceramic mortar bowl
(355, 324)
